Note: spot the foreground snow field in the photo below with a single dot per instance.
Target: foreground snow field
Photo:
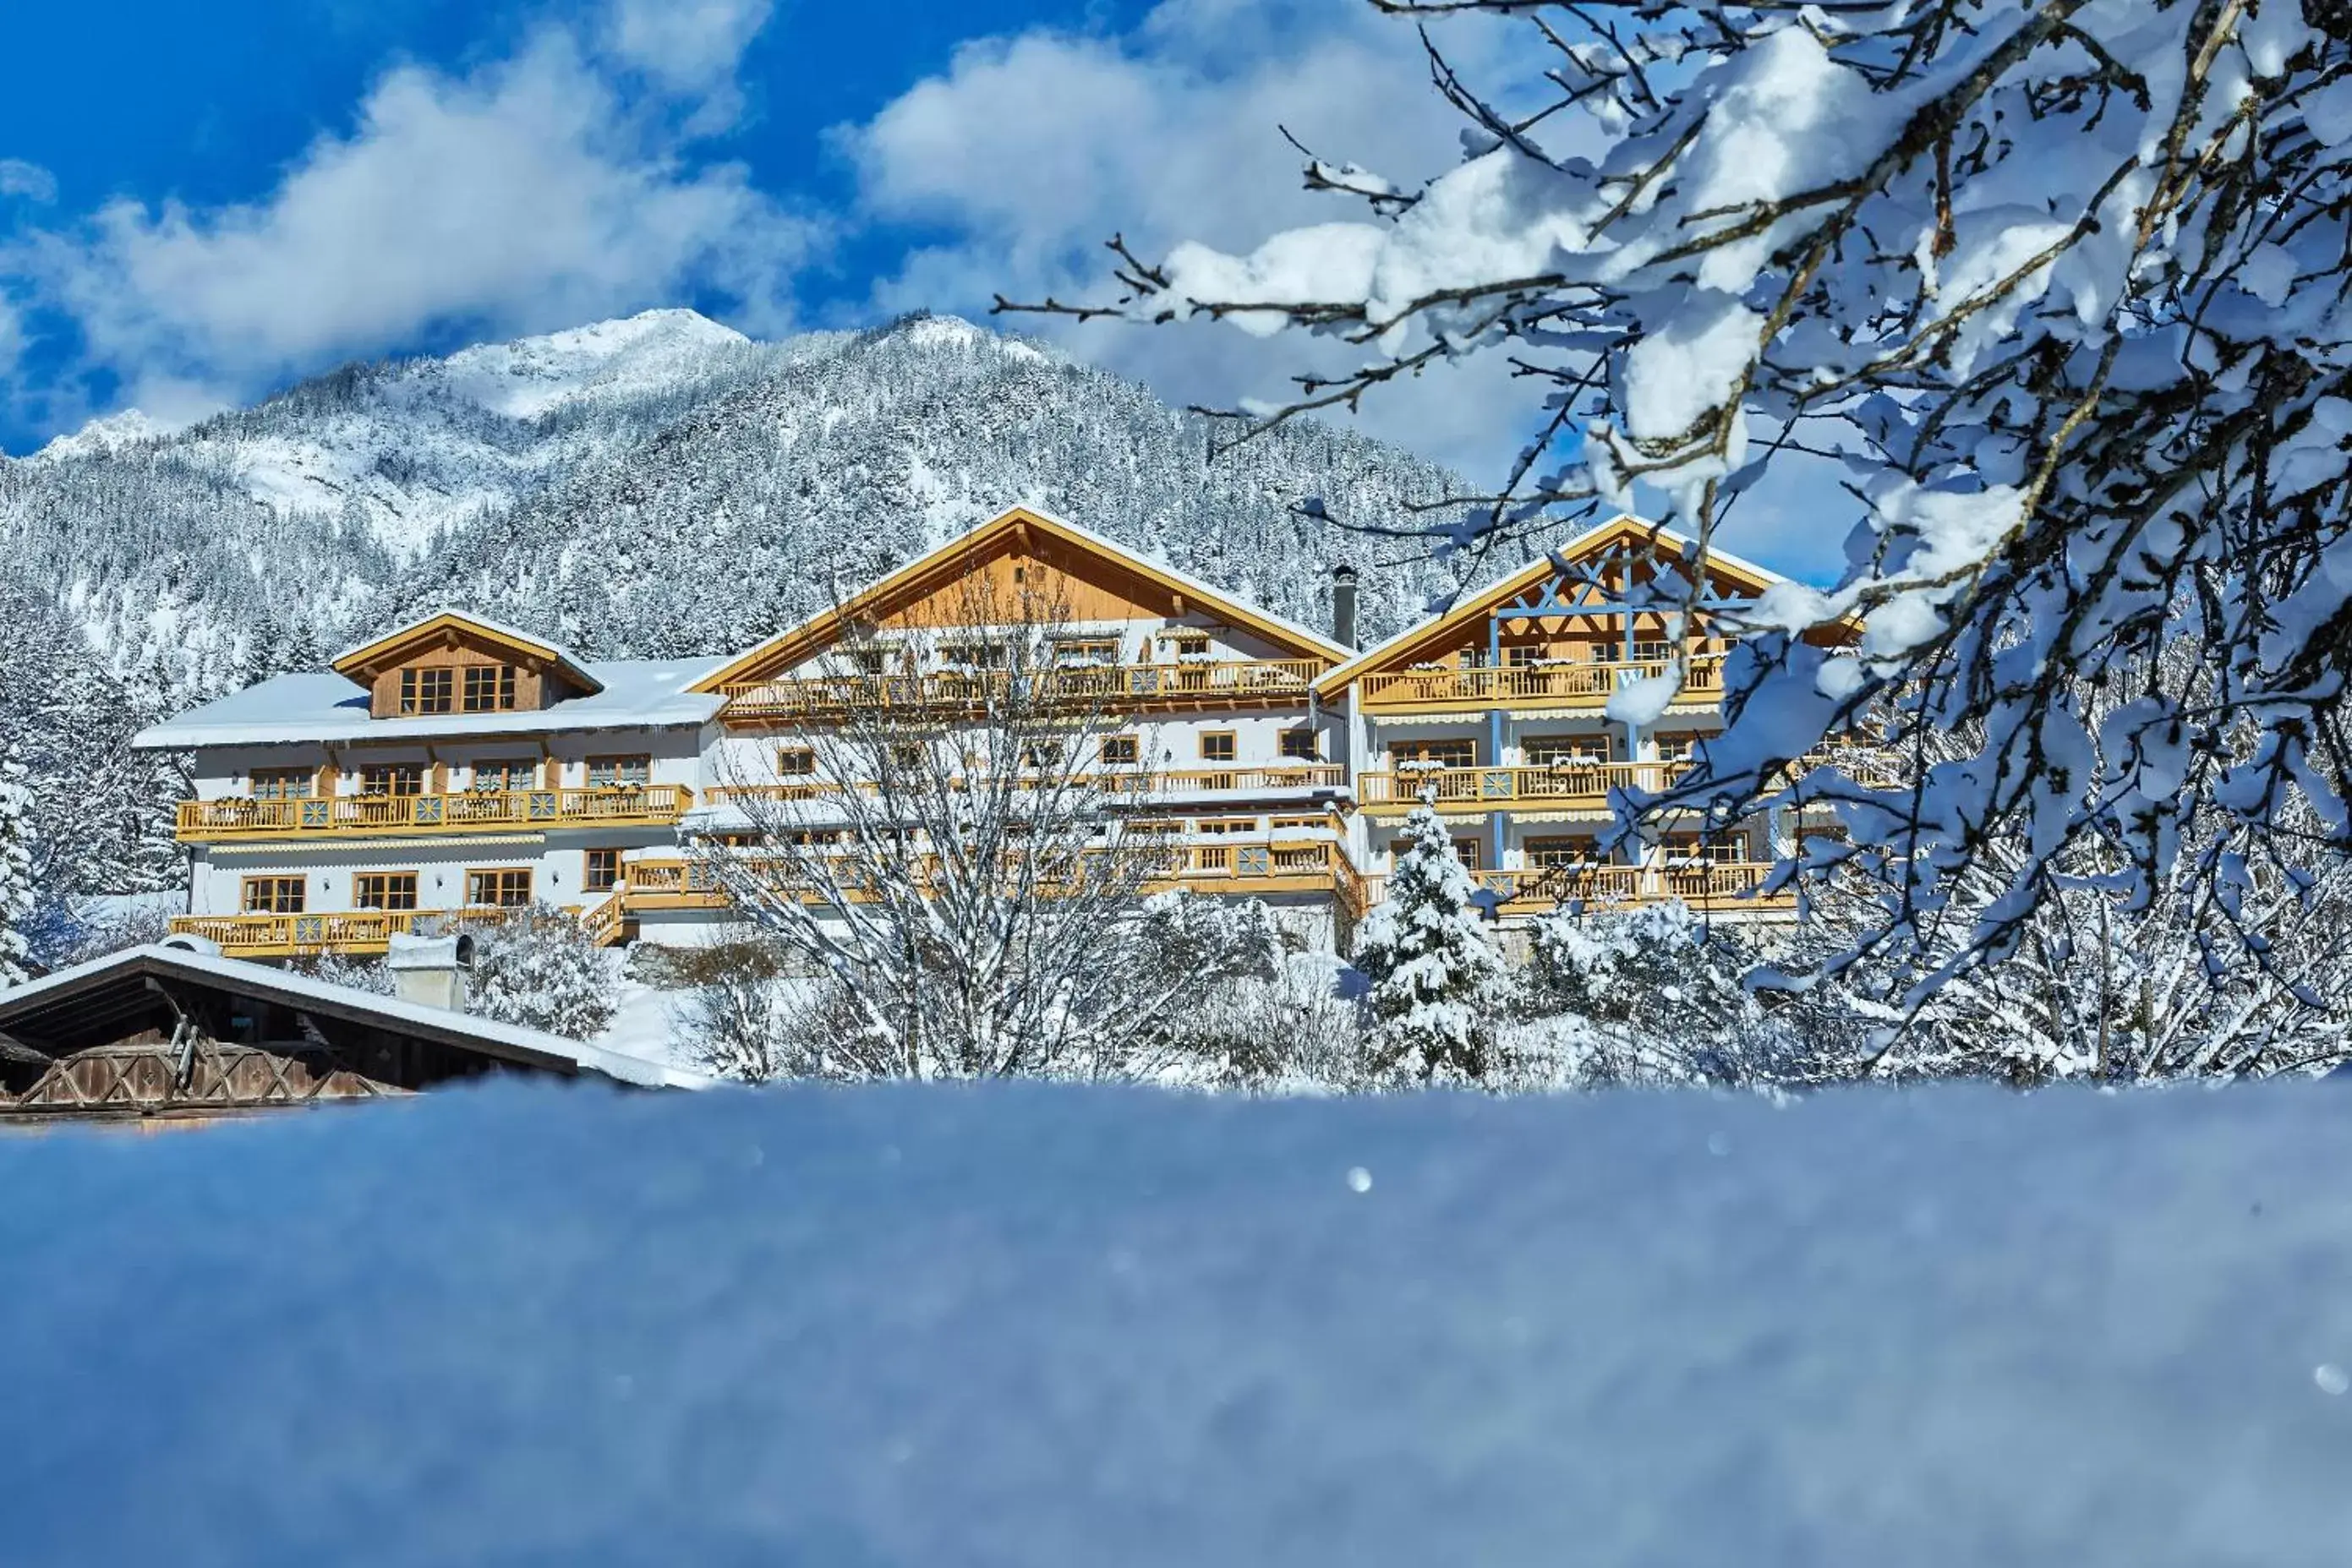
(1039, 1325)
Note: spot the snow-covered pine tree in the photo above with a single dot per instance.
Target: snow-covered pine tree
(15, 869)
(1438, 984)
(539, 968)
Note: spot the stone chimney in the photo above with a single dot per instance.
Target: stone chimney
(1343, 604)
(431, 970)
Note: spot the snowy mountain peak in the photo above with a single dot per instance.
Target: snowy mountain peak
(528, 376)
(102, 436)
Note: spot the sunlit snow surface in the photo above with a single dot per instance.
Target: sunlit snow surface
(1058, 1326)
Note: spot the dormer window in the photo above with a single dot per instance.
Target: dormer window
(427, 691)
(489, 688)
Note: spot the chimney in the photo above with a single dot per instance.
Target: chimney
(431, 970)
(1343, 604)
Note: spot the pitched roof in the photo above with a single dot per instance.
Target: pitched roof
(79, 1006)
(314, 706)
(957, 555)
(358, 663)
(1471, 607)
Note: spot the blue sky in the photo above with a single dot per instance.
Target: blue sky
(199, 204)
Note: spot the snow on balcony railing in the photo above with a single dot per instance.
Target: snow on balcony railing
(329, 816)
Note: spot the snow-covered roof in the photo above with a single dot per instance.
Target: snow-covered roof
(318, 705)
(360, 663)
(48, 994)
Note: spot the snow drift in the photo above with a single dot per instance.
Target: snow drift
(1030, 1325)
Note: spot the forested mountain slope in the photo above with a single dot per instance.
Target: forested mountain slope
(655, 485)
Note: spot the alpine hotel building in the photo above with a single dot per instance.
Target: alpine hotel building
(458, 766)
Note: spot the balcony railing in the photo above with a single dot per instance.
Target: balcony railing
(1717, 885)
(1215, 683)
(1566, 786)
(1178, 782)
(359, 932)
(1528, 685)
(1253, 866)
(341, 816)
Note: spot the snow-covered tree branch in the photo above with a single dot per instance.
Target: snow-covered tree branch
(2059, 282)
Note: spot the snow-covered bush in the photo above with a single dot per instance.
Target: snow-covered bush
(1300, 1029)
(1648, 995)
(371, 975)
(65, 931)
(539, 969)
(1438, 987)
(755, 1025)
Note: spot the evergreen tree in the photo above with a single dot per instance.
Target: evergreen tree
(1438, 984)
(15, 870)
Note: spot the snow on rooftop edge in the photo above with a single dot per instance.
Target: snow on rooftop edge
(1036, 1325)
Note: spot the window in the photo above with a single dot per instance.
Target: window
(796, 762)
(1687, 849)
(391, 779)
(426, 691)
(1192, 647)
(1435, 753)
(1086, 650)
(509, 889)
(603, 873)
(282, 783)
(619, 772)
(1549, 854)
(1302, 745)
(1466, 851)
(1297, 824)
(1651, 652)
(488, 687)
(870, 661)
(975, 655)
(1042, 755)
(273, 896)
(1678, 748)
(384, 890)
(506, 777)
(1547, 750)
(1217, 745)
(1121, 751)
(1226, 827)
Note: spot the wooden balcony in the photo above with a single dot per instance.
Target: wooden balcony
(360, 932)
(1563, 686)
(1238, 867)
(1718, 887)
(1561, 786)
(484, 811)
(1206, 684)
(1240, 781)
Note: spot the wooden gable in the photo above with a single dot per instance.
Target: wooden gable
(1571, 605)
(457, 654)
(1024, 565)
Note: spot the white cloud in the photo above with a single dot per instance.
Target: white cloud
(29, 181)
(530, 193)
(685, 45)
(1031, 149)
